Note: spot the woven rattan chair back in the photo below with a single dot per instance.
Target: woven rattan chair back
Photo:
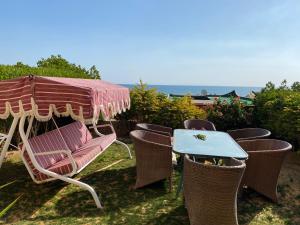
(199, 125)
(154, 128)
(153, 157)
(210, 191)
(249, 133)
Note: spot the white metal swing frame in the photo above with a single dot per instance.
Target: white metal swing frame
(6, 138)
(54, 176)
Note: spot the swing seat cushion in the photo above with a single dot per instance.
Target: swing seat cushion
(78, 139)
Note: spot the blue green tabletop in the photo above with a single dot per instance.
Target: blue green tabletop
(216, 144)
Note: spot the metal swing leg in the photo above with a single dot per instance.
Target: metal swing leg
(126, 146)
(82, 185)
(117, 141)
(122, 143)
(8, 139)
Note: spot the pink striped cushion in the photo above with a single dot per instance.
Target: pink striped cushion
(103, 141)
(75, 134)
(50, 141)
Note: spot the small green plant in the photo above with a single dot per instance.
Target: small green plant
(7, 208)
(200, 137)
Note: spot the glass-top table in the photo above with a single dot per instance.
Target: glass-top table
(216, 144)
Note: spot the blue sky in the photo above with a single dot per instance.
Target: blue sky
(216, 42)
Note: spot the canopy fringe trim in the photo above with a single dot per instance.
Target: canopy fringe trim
(111, 110)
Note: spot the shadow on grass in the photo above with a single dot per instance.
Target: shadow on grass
(253, 204)
(177, 216)
(33, 195)
(247, 207)
(115, 190)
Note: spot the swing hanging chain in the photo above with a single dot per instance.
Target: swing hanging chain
(60, 133)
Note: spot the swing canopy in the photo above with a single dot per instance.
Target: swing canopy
(82, 99)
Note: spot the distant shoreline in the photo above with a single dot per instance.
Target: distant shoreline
(197, 89)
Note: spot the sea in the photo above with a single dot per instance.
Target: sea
(198, 90)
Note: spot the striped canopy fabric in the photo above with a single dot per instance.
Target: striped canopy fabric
(82, 99)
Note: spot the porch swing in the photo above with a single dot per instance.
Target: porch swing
(65, 151)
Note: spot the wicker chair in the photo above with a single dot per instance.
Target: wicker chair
(154, 128)
(199, 125)
(249, 133)
(263, 165)
(153, 157)
(210, 191)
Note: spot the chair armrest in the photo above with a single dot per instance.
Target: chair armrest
(68, 153)
(274, 151)
(160, 144)
(165, 133)
(168, 130)
(158, 139)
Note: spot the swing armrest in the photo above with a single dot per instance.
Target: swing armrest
(66, 152)
(104, 125)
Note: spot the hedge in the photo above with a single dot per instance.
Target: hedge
(12, 71)
(278, 109)
(232, 114)
(150, 106)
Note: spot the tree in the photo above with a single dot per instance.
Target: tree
(55, 62)
(269, 86)
(283, 85)
(58, 62)
(94, 73)
(21, 65)
(296, 86)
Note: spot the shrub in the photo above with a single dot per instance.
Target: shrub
(278, 109)
(232, 114)
(173, 112)
(150, 106)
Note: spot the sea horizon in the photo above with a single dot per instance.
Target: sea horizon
(197, 89)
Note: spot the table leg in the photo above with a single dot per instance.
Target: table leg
(180, 185)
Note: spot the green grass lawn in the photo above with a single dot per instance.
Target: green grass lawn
(59, 203)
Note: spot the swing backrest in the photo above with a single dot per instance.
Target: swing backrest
(75, 135)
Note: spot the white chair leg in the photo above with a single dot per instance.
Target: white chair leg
(126, 146)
